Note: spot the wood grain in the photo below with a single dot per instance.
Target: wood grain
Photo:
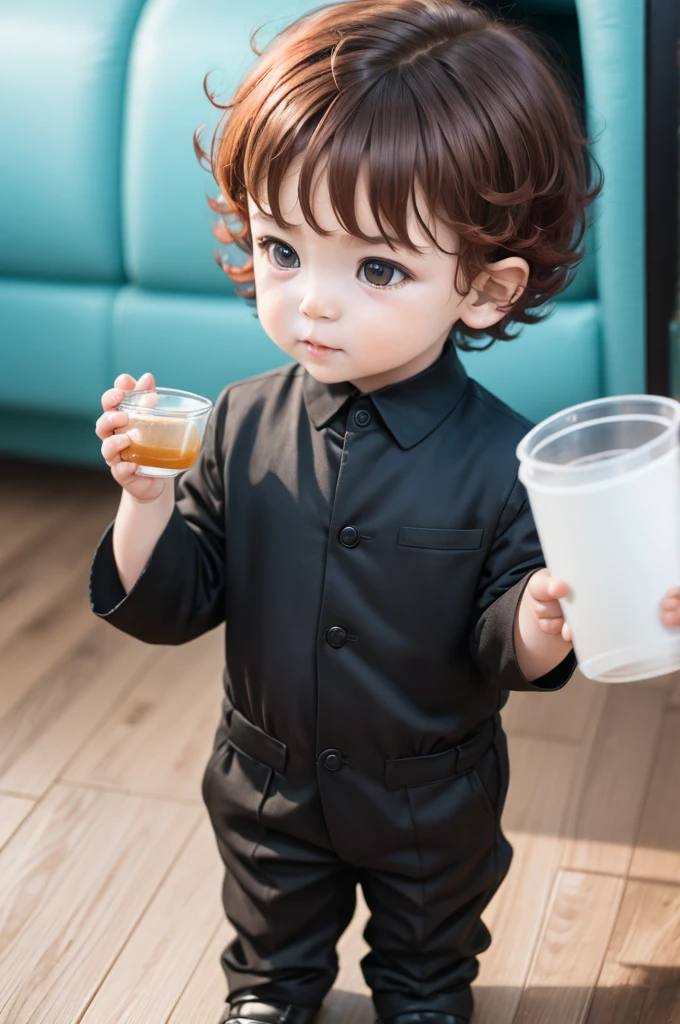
(675, 692)
(571, 949)
(615, 780)
(32, 581)
(202, 1000)
(44, 729)
(657, 852)
(41, 643)
(541, 777)
(640, 978)
(13, 810)
(158, 740)
(563, 715)
(74, 881)
(165, 948)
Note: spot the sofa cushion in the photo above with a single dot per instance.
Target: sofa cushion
(62, 71)
(58, 346)
(550, 366)
(195, 343)
(167, 221)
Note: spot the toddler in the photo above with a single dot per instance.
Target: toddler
(408, 179)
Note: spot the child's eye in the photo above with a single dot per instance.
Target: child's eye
(280, 254)
(376, 273)
(379, 274)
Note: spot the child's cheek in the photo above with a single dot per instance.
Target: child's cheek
(274, 314)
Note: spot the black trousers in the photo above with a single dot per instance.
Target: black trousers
(424, 842)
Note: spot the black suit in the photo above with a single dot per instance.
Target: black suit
(368, 553)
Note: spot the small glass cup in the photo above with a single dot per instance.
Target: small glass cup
(165, 428)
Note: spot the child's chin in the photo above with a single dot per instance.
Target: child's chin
(325, 374)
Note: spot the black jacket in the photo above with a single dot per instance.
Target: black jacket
(367, 551)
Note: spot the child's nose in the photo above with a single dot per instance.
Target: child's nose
(318, 305)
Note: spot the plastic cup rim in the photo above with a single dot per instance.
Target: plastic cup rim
(206, 404)
(594, 468)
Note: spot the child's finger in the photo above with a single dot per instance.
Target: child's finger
(112, 447)
(548, 610)
(557, 588)
(544, 587)
(123, 472)
(125, 382)
(671, 617)
(110, 421)
(551, 625)
(112, 398)
(145, 382)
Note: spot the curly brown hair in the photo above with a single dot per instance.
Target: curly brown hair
(434, 92)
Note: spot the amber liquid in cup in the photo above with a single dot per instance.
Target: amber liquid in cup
(161, 442)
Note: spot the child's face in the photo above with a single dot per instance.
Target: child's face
(346, 309)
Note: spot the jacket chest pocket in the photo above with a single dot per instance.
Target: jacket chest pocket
(439, 540)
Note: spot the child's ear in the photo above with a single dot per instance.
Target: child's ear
(493, 292)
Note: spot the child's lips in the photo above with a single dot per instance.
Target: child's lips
(315, 348)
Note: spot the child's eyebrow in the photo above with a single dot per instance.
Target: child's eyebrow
(351, 239)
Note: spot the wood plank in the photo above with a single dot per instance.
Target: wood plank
(50, 723)
(541, 778)
(163, 951)
(40, 498)
(571, 949)
(38, 646)
(640, 978)
(158, 740)
(74, 881)
(563, 715)
(202, 1001)
(27, 523)
(13, 810)
(32, 581)
(657, 852)
(675, 692)
(615, 780)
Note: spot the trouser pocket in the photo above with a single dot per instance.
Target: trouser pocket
(239, 771)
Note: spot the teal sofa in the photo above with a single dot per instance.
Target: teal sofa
(105, 235)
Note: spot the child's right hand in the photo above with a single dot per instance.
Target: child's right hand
(141, 488)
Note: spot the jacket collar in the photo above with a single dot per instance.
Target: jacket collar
(410, 409)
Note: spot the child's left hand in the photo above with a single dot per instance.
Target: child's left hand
(544, 591)
(670, 607)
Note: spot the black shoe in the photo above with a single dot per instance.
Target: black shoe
(247, 1009)
(423, 1017)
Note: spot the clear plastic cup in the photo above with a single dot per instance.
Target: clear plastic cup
(166, 429)
(603, 480)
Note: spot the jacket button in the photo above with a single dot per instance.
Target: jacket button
(349, 536)
(336, 636)
(331, 760)
(362, 417)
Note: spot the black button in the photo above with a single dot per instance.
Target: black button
(349, 536)
(362, 417)
(336, 636)
(331, 760)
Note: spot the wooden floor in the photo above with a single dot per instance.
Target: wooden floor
(110, 905)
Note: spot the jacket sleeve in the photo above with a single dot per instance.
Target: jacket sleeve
(180, 592)
(513, 558)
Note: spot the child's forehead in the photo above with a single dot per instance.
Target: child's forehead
(322, 207)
